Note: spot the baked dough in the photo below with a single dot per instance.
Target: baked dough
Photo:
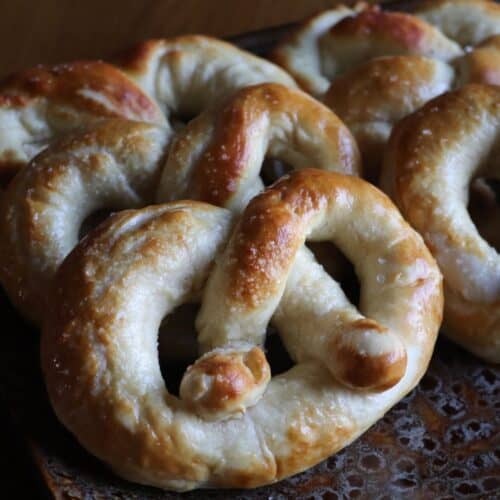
(341, 39)
(467, 21)
(118, 164)
(373, 67)
(184, 75)
(113, 166)
(432, 157)
(41, 104)
(187, 74)
(99, 350)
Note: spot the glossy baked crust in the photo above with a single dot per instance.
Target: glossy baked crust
(121, 164)
(468, 21)
(115, 165)
(218, 156)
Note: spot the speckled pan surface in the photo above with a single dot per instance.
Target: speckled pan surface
(441, 442)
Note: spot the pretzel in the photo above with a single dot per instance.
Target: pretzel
(217, 156)
(467, 21)
(185, 75)
(431, 158)
(99, 351)
(39, 105)
(339, 39)
(372, 68)
(373, 97)
(118, 165)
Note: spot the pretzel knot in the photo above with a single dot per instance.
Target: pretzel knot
(373, 68)
(432, 157)
(99, 351)
(217, 156)
(179, 76)
(118, 164)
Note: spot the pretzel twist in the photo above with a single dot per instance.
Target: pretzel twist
(114, 165)
(187, 74)
(118, 164)
(99, 350)
(481, 65)
(217, 157)
(342, 38)
(432, 157)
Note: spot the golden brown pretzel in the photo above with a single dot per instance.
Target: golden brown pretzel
(338, 40)
(481, 65)
(114, 165)
(118, 164)
(373, 97)
(41, 104)
(431, 158)
(375, 67)
(99, 349)
(187, 74)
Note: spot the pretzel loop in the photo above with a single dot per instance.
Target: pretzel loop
(187, 74)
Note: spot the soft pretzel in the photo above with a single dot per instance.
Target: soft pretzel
(467, 21)
(118, 165)
(114, 165)
(217, 157)
(99, 352)
(41, 104)
(432, 156)
(186, 74)
(374, 67)
(339, 39)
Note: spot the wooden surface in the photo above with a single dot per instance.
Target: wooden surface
(47, 31)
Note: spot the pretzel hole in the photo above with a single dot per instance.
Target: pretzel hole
(272, 169)
(339, 267)
(93, 220)
(177, 345)
(178, 348)
(180, 119)
(277, 356)
(484, 209)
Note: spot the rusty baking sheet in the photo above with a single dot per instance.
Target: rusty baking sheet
(441, 442)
